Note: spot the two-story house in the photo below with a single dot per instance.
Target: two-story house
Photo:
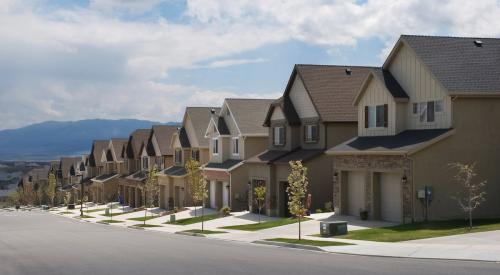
(106, 184)
(188, 142)
(235, 133)
(435, 101)
(314, 113)
(96, 167)
(158, 147)
(137, 165)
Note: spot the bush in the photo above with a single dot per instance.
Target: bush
(319, 210)
(225, 211)
(328, 206)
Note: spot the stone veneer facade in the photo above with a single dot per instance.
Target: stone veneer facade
(373, 164)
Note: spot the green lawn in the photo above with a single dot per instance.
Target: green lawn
(264, 225)
(66, 213)
(307, 242)
(141, 219)
(147, 225)
(423, 230)
(195, 219)
(198, 231)
(111, 221)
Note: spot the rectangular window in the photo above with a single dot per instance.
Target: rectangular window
(236, 146)
(427, 110)
(145, 163)
(415, 108)
(279, 135)
(215, 147)
(159, 162)
(178, 156)
(311, 133)
(376, 116)
(439, 106)
(195, 154)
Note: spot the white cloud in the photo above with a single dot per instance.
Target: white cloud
(73, 63)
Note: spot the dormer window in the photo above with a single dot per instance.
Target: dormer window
(215, 147)
(178, 156)
(236, 146)
(376, 116)
(145, 163)
(311, 133)
(279, 136)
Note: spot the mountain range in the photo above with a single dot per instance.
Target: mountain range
(52, 139)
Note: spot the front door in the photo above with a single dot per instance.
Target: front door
(284, 195)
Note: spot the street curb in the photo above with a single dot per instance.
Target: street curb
(135, 227)
(289, 245)
(100, 222)
(190, 234)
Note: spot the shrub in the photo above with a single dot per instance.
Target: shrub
(319, 210)
(225, 211)
(328, 206)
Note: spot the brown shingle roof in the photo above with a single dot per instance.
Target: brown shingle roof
(118, 144)
(200, 117)
(331, 89)
(96, 153)
(163, 134)
(249, 114)
(66, 164)
(135, 142)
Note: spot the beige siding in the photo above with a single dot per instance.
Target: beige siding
(421, 86)
(476, 140)
(239, 188)
(253, 146)
(376, 94)
(301, 100)
(338, 132)
(401, 111)
(277, 114)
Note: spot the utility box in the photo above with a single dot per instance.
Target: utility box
(71, 206)
(333, 228)
(172, 218)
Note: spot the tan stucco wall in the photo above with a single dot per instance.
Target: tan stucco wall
(239, 188)
(338, 132)
(477, 139)
(253, 146)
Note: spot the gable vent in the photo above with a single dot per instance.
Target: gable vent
(212, 111)
(478, 43)
(348, 71)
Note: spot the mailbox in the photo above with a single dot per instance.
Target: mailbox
(333, 228)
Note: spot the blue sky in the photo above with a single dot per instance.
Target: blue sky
(149, 59)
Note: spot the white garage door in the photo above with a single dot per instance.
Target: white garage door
(390, 197)
(355, 192)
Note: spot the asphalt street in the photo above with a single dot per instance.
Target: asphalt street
(42, 243)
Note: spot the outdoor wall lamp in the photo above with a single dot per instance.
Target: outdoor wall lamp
(404, 180)
(335, 176)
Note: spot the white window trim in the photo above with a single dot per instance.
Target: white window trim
(237, 139)
(213, 146)
(307, 133)
(276, 140)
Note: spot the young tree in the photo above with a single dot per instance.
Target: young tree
(67, 198)
(194, 177)
(199, 190)
(296, 190)
(472, 194)
(151, 190)
(260, 196)
(51, 187)
(15, 197)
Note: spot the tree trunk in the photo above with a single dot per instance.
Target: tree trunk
(259, 211)
(299, 230)
(470, 219)
(145, 214)
(202, 213)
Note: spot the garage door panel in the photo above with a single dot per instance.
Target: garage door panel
(355, 192)
(390, 197)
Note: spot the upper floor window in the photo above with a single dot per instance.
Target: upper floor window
(311, 133)
(279, 135)
(426, 110)
(178, 156)
(236, 146)
(376, 116)
(215, 147)
(145, 163)
(159, 162)
(195, 154)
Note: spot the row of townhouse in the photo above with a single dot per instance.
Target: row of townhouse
(374, 139)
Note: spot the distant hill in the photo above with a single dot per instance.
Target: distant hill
(51, 140)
